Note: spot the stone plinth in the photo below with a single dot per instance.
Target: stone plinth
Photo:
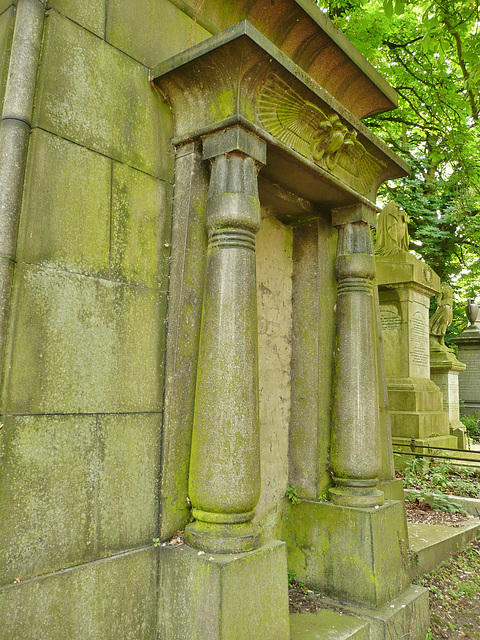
(354, 554)
(469, 380)
(444, 371)
(416, 403)
(204, 596)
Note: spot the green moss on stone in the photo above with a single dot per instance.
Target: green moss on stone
(129, 460)
(141, 216)
(93, 94)
(80, 344)
(66, 207)
(88, 13)
(109, 599)
(6, 32)
(47, 489)
(152, 30)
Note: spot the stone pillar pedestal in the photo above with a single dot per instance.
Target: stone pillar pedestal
(416, 403)
(444, 371)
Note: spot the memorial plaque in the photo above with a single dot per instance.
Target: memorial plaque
(419, 339)
(390, 319)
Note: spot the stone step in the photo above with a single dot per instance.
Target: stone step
(432, 544)
(328, 625)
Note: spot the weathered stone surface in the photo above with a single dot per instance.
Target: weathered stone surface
(66, 206)
(75, 488)
(274, 303)
(189, 241)
(88, 13)
(6, 279)
(469, 380)
(313, 344)
(92, 94)
(47, 488)
(80, 344)
(4, 4)
(151, 31)
(108, 599)
(6, 30)
(224, 596)
(354, 554)
(405, 617)
(128, 464)
(141, 218)
(323, 624)
(415, 402)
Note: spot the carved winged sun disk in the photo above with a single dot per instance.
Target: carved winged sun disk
(322, 138)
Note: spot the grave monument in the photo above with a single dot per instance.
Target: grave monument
(405, 286)
(188, 324)
(469, 352)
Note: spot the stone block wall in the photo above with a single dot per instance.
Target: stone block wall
(82, 385)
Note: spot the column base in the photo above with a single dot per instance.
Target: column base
(206, 596)
(355, 555)
(223, 538)
(356, 496)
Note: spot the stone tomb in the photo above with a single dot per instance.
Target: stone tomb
(252, 130)
(405, 286)
(469, 352)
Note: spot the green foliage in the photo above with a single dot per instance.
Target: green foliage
(471, 424)
(292, 494)
(437, 501)
(430, 53)
(430, 478)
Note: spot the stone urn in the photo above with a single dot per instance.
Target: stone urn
(471, 310)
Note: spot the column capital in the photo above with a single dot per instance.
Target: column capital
(355, 213)
(235, 138)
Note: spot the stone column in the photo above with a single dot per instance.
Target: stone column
(224, 482)
(355, 447)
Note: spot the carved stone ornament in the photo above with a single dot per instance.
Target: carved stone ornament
(441, 319)
(472, 311)
(392, 231)
(321, 137)
(317, 149)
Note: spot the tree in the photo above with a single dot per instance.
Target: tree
(430, 53)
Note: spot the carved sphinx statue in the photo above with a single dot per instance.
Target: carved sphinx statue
(392, 231)
(441, 319)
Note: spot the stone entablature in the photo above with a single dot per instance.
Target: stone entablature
(240, 78)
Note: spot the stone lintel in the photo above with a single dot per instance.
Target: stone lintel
(240, 76)
(303, 32)
(355, 213)
(235, 138)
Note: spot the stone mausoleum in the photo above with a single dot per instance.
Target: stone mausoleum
(189, 325)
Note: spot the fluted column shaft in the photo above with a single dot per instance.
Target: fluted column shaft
(355, 446)
(224, 480)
